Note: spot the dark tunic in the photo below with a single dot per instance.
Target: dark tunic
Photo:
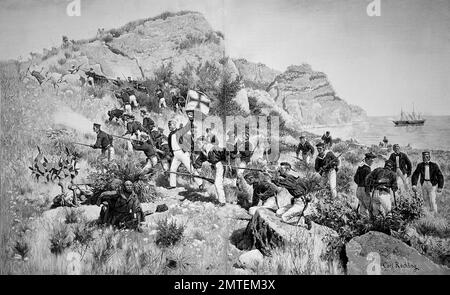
(361, 174)
(382, 179)
(294, 185)
(214, 156)
(325, 164)
(305, 148)
(104, 140)
(134, 127)
(146, 147)
(262, 190)
(436, 177)
(327, 139)
(405, 164)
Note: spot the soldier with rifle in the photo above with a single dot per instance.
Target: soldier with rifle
(264, 192)
(214, 155)
(149, 150)
(104, 142)
(327, 166)
(121, 207)
(379, 184)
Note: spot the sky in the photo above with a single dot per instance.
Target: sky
(381, 63)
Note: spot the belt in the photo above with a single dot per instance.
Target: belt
(426, 180)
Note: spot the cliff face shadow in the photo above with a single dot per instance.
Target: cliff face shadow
(196, 195)
(241, 239)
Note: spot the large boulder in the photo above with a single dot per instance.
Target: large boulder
(378, 253)
(266, 231)
(255, 75)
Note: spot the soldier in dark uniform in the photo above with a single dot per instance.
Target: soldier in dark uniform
(431, 178)
(215, 156)
(402, 166)
(379, 185)
(360, 179)
(327, 139)
(327, 166)
(134, 129)
(306, 148)
(121, 207)
(264, 192)
(104, 142)
(149, 151)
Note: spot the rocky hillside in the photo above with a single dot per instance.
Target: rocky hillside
(306, 95)
(187, 41)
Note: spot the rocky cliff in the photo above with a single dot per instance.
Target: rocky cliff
(306, 95)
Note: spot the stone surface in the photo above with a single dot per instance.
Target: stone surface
(267, 231)
(378, 253)
(251, 259)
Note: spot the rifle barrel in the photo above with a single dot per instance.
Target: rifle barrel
(78, 143)
(192, 175)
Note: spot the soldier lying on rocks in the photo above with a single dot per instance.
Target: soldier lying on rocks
(121, 207)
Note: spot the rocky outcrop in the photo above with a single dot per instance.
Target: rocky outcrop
(378, 253)
(255, 75)
(181, 40)
(310, 99)
(267, 231)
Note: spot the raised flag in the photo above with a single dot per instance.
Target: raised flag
(197, 101)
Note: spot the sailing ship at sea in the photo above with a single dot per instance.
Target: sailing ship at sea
(410, 119)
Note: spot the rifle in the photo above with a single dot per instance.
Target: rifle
(192, 176)
(328, 165)
(251, 169)
(78, 143)
(129, 139)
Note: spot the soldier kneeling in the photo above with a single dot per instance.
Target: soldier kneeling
(121, 208)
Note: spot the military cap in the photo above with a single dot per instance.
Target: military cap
(370, 155)
(130, 117)
(424, 153)
(320, 144)
(396, 145)
(302, 136)
(144, 111)
(97, 125)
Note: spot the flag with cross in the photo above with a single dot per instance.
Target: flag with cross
(197, 101)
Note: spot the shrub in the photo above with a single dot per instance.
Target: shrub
(340, 147)
(67, 55)
(75, 47)
(164, 73)
(49, 53)
(62, 61)
(103, 250)
(344, 179)
(224, 105)
(60, 239)
(168, 233)
(73, 216)
(83, 234)
(433, 226)
(220, 34)
(21, 248)
(123, 169)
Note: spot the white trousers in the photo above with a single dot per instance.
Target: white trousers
(151, 162)
(128, 109)
(292, 212)
(306, 158)
(381, 203)
(162, 103)
(363, 200)
(218, 182)
(330, 178)
(270, 203)
(108, 153)
(429, 195)
(133, 101)
(402, 180)
(132, 137)
(180, 157)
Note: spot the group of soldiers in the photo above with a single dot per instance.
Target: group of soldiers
(377, 189)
